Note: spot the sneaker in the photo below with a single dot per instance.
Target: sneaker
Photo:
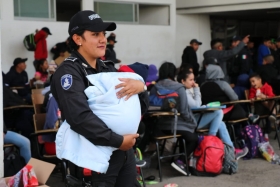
(239, 153)
(272, 118)
(140, 163)
(253, 118)
(180, 166)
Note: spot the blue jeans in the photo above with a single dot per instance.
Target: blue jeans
(21, 142)
(213, 121)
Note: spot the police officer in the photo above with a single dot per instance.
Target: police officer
(88, 41)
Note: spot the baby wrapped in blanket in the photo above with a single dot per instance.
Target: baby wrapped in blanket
(120, 116)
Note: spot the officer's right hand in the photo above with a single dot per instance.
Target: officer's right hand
(128, 141)
(246, 39)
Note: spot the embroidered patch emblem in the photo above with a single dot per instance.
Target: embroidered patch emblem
(93, 16)
(66, 81)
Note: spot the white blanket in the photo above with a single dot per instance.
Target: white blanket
(121, 116)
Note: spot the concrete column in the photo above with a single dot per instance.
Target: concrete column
(87, 4)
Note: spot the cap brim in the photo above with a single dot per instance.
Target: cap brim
(104, 26)
(24, 59)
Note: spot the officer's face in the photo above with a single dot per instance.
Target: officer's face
(93, 44)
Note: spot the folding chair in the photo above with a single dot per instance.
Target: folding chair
(37, 100)
(158, 139)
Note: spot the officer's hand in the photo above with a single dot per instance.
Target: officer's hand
(128, 141)
(129, 87)
(246, 39)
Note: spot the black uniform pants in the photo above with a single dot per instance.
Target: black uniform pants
(121, 171)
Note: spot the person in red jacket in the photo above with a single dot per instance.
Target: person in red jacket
(261, 91)
(41, 51)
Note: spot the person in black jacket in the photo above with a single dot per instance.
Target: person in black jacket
(189, 55)
(267, 71)
(110, 52)
(240, 63)
(88, 41)
(60, 48)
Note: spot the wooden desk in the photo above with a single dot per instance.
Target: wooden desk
(236, 102)
(18, 107)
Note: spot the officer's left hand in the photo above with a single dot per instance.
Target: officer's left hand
(129, 87)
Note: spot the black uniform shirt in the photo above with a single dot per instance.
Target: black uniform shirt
(68, 85)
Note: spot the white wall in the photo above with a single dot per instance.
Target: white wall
(142, 43)
(1, 113)
(154, 15)
(190, 27)
(203, 3)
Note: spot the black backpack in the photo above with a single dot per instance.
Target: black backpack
(13, 162)
(29, 42)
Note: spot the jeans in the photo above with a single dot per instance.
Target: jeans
(21, 142)
(213, 121)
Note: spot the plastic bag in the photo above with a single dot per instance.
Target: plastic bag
(267, 151)
(25, 177)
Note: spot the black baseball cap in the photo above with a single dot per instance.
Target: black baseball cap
(236, 38)
(47, 30)
(195, 41)
(19, 60)
(89, 20)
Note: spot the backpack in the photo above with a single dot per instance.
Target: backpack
(13, 162)
(230, 164)
(29, 42)
(165, 98)
(252, 134)
(209, 157)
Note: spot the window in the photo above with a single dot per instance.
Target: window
(146, 14)
(65, 9)
(121, 12)
(38, 9)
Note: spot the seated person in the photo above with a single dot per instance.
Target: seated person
(242, 84)
(267, 71)
(152, 76)
(212, 120)
(223, 93)
(115, 113)
(41, 75)
(17, 77)
(18, 140)
(261, 91)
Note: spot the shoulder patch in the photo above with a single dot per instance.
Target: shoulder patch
(66, 81)
(73, 59)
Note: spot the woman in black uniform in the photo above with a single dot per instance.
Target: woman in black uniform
(88, 41)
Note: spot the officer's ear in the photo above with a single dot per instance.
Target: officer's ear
(77, 39)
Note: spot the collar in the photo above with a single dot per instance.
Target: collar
(99, 63)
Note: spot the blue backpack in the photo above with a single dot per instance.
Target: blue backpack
(165, 99)
(252, 135)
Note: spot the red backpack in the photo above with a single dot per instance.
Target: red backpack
(209, 156)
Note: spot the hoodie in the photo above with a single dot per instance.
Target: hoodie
(215, 74)
(41, 51)
(186, 120)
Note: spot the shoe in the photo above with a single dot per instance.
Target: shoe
(253, 118)
(239, 153)
(179, 166)
(140, 163)
(272, 118)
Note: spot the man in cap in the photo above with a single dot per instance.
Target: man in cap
(240, 63)
(41, 51)
(110, 52)
(17, 77)
(189, 55)
(88, 43)
(264, 50)
(222, 55)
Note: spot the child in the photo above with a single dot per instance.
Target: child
(41, 70)
(261, 91)
(267, 71)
